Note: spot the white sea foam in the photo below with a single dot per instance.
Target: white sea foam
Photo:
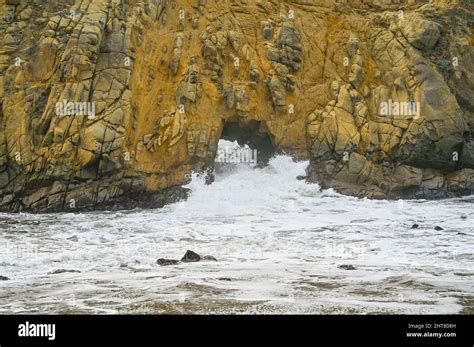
(279, 242)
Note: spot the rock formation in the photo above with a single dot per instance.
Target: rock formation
(109, 103)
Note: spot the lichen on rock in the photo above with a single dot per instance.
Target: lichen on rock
(104, 101)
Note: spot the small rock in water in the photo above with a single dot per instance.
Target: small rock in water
(463, 217)
(4, 278)
(225, 279)
(165, 262)
(415, 226)
(301, 177)
(346, 267)
(190, 256)
(60, 271)
(437, 228)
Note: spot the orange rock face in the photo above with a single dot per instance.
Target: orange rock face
(110, 104)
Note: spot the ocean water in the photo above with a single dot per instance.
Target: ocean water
(283, 246)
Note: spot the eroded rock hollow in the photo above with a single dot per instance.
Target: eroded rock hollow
(112, 103)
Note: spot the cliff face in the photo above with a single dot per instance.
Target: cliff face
(110, 103)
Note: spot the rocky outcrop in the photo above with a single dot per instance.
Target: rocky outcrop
(420, 145)
(188, 257)
(106, 103)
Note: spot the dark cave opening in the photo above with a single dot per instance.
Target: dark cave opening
(253, 134)
(254, 147)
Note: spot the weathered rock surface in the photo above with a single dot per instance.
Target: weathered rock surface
(167, 262)
(188, 257)
(107, 101)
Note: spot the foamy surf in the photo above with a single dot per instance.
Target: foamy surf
(282, 245)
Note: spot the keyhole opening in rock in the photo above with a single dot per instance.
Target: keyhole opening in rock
(252, 134)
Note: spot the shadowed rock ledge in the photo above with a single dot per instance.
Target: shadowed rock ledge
(110, 104)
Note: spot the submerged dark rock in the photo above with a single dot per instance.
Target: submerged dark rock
(4, 278)
(346, 267)
(166, 262)
(438, 228)
(190, 257)
(60, 271)
(415, 226)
